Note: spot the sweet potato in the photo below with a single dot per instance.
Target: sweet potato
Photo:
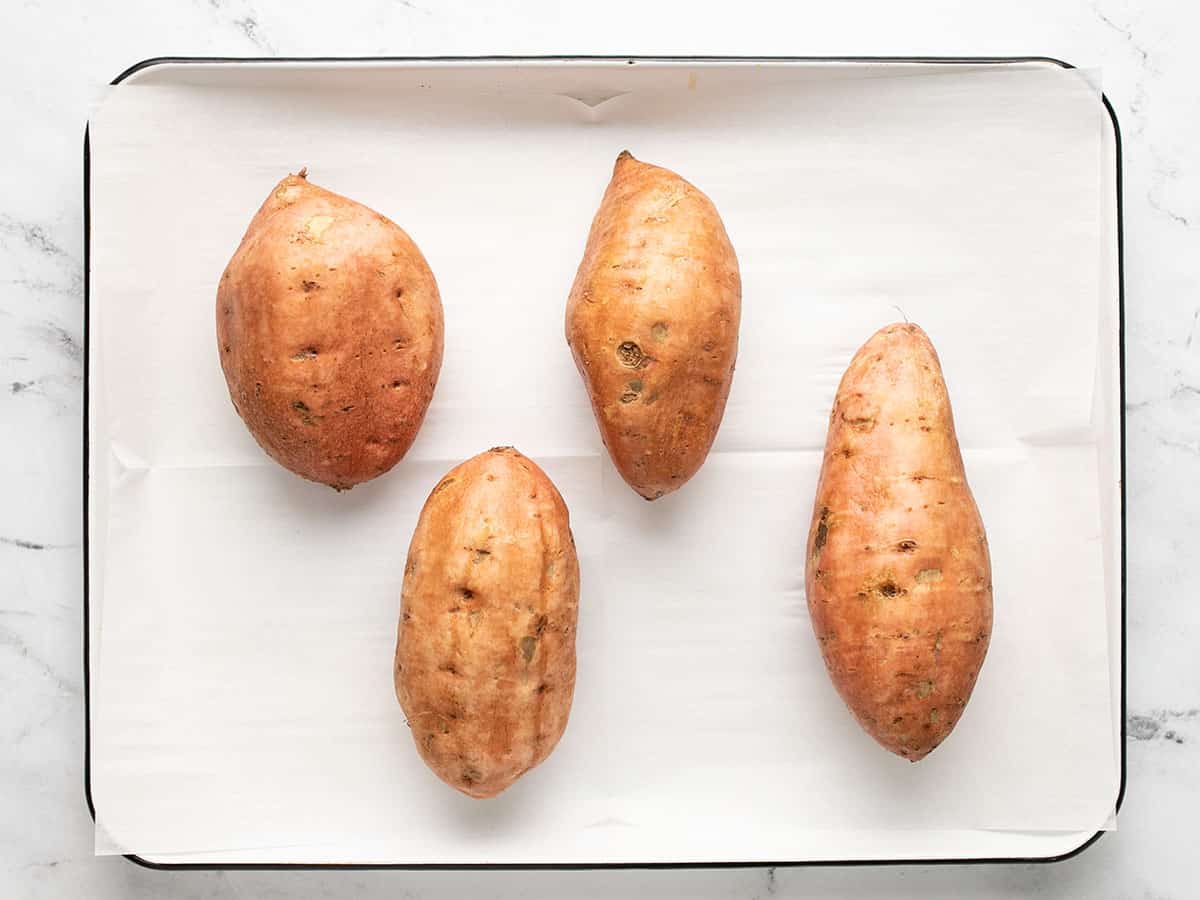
(898, 574)
(652, 321)
(329, 328)
(485, 651)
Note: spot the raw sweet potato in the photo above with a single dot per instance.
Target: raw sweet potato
(652, 321)
(485, 652)
(898, 575)
(329, 327)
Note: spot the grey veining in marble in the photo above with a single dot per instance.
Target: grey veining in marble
(58, 56)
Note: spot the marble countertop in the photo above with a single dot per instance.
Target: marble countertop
(60, 56)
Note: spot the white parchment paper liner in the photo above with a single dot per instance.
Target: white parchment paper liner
(245, 619)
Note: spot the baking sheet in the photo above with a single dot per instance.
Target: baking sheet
(245, 619)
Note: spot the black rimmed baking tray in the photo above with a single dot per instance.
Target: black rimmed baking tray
(598, 98)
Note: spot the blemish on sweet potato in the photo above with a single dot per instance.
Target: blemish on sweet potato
(305, 413)
(859, 423)
(528, 646)
(924, 688)
(929, 576)
(629, 354)
(659, 331)
(822, 534)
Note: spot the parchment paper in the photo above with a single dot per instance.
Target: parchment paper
(245, 619)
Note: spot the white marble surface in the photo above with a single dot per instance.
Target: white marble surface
(57, 59)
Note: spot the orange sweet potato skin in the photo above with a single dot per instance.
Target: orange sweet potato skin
(652, 322)
(329, 328)
(485, 650)
(898, 574)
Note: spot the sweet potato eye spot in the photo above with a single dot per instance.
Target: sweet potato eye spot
(305, 414)
(907, 546)
(629, 354)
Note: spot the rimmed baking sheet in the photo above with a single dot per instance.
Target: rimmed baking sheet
(241, 621)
